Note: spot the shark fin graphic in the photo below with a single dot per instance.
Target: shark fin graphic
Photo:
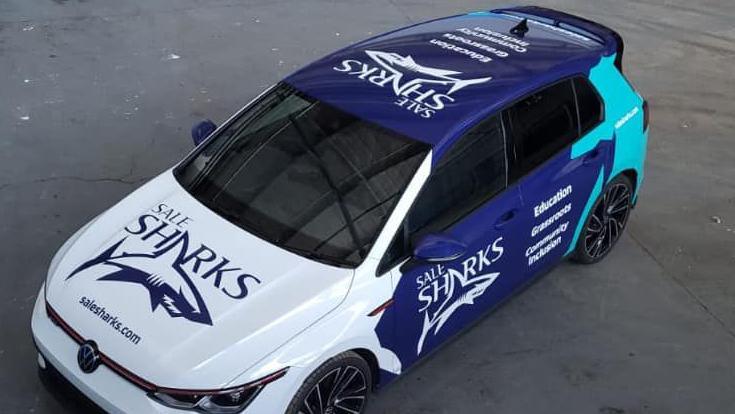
(441, 72)
(408, 61)
(462, 83)
(125, 274)
(103, 257)
(424, 332)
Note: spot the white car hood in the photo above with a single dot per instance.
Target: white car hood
(207, 299)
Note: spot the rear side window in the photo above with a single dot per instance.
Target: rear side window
(589, 104)
(542, 124)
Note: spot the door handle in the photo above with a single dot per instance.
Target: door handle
(506, 218)
(592, 156)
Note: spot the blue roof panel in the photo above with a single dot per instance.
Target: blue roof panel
(432, 80)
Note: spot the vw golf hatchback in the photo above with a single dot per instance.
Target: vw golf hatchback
(351, 219)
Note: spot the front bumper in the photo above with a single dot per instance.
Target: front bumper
(104, 387)
(114, 394)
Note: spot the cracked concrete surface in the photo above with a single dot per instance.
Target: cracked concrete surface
(93, 104)
(121, 180)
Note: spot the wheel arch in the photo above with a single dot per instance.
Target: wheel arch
(632, 175)
(372, 361)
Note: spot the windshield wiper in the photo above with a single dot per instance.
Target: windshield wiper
(236, 218)
(323, 169)
(317, 257)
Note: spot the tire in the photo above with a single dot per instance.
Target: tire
(605, 222)
(339, 386)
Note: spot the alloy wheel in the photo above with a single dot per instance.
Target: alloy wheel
(607, 220)
(342, 390)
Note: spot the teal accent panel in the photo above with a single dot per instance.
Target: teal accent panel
(587, 207)
(623, 123)
(626, 119)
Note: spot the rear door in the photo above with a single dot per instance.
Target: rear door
(467, 198)
(555, 183)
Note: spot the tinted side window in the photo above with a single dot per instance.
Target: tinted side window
(589, 104)
(470, 173)
(542, 124)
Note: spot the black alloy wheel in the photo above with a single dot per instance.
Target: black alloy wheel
(606, 222)
(339, 386)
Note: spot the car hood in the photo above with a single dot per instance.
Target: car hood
(181, 297)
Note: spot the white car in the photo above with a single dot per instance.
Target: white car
(351, 219)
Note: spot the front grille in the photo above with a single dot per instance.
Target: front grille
(107, 361)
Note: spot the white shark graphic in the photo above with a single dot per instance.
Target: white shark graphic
(462, 291)
(402, 65)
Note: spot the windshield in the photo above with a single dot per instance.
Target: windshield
(304, 175)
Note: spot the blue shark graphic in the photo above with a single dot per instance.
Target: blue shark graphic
(171, 289)
(461, 291)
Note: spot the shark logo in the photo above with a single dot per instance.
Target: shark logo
(419, 89)
(443, 290)
(406, 67)
(461, 291)
(170, 289)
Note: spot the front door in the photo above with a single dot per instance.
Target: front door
(466, 198)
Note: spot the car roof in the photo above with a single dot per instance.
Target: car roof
(464, 67)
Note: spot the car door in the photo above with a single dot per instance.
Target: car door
(467, 199)
(555, 181)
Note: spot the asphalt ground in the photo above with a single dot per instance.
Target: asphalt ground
(97, 96)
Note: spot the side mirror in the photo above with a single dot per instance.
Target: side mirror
(437, 248)
(200, 131)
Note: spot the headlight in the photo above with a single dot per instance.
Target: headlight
(229, 400)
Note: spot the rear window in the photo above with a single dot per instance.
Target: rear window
(589, 103)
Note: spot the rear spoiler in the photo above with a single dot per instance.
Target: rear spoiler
(604, 35)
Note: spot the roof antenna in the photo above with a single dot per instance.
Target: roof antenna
(520, 29)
